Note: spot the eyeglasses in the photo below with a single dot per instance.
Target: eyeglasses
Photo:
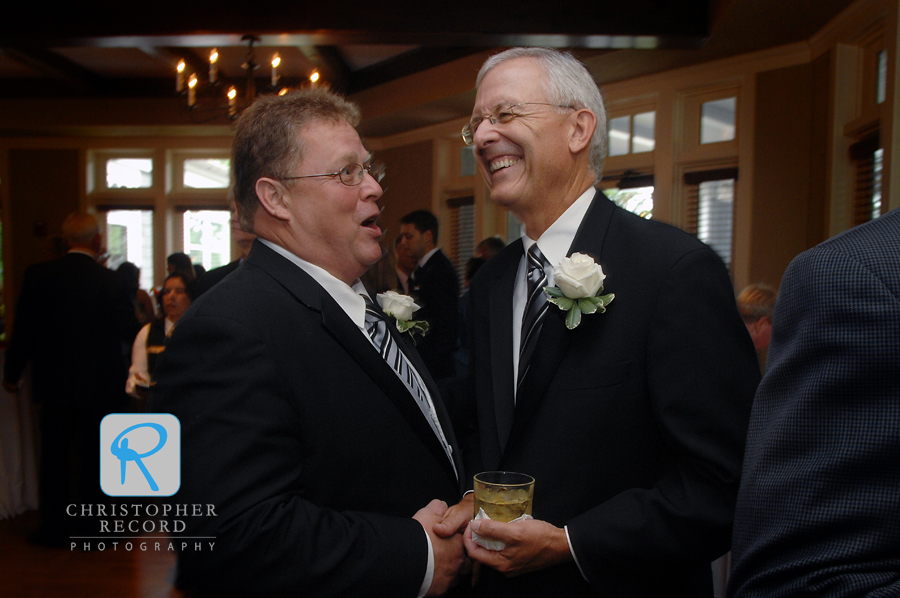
(503, 116)
(351, 174)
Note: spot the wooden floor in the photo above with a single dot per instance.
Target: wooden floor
(28, 571)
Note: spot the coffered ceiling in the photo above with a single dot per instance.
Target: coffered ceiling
(112, 50)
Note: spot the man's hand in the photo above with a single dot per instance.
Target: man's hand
(449, 554)
(457, 517)
(530, 545)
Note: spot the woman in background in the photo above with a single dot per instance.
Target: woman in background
(150, 342)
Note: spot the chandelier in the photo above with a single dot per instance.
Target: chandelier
(213, 98)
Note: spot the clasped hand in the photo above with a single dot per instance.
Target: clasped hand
(530, 544)
(450, 562)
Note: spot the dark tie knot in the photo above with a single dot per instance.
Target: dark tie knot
(536, 258)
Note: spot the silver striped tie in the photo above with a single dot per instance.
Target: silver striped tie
(377, 329)
(535, 307)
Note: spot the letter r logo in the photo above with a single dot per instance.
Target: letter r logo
(140, 454)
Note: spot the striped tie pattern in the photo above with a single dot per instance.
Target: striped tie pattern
(535, 307)
(377, 329)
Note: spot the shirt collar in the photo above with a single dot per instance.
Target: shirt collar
(427, 257)
(557, 239)
(347, 297)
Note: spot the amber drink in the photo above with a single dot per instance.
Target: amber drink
(504, 495)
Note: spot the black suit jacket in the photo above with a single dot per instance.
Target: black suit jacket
(72, 319)
(214, 276)
(435, 287)
(310, 447)
(817, 510)
(633, 423)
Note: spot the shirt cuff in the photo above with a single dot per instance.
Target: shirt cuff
(429, 570)
(569, 540)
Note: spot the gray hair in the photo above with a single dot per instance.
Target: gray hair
(568, 83)
(80, 229)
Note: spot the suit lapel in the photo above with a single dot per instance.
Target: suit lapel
(554, 338)
(442, 414)
(349, 336)
(500, 307)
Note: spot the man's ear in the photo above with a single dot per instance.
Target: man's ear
(272, 198)
(430, 237)
(583, 126)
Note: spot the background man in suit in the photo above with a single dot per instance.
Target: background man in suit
(239, 237)
(435, 286)
(632, 423)
(317, 455)
(817, 513)
(405, 264)
(72, 318)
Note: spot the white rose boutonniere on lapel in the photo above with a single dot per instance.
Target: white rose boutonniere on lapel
(579, 282)
(401, 308)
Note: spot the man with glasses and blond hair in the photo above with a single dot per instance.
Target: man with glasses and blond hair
(631, 420)
(308, 422)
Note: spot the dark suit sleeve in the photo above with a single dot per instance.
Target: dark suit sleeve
(439, 294)
(817, 511)
(241, 453)
(701, 374)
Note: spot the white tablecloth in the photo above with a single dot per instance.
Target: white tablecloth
(18, 451)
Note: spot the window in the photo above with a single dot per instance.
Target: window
(710, 208)
(129, 173)
(129, 238)
(867, 156)
(631, 191)
(717, 120)
(207, 173)
(207, 237)
(632, 134)
(462, 233)
(194, 173)
(637, 200)
(466, 161)
(881, 85)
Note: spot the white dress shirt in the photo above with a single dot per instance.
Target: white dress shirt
(554, 244)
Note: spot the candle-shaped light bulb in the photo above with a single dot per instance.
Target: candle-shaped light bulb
(192, 90)
(179, 76)
(214, 65)
(232, 101)
(276, 60)
(314, 77)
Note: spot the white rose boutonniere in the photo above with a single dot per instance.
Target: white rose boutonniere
(401, 308)
(579, 282)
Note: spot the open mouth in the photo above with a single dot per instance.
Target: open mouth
(503, 163)
(371, 222)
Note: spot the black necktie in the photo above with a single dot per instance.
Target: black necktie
(377, 329)
(535, 307)
(413, 281)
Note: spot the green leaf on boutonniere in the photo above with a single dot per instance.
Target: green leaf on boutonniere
(573, 317)
(587, 306)
(574, 308)
(414, 327)
(563, 302)
(553, 292)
